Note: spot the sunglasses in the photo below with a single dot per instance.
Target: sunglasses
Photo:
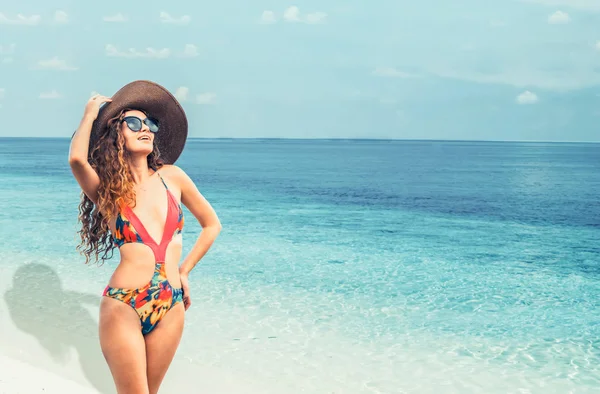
(135, 124)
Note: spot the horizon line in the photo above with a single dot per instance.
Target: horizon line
(340, 139)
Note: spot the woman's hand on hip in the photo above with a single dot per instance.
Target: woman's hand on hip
(187, 300)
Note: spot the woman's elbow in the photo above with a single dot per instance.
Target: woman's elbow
(75, 160)
(216, 227)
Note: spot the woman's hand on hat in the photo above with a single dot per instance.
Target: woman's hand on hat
(92, 108)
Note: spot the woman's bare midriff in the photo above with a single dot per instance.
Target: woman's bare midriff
(137, 265)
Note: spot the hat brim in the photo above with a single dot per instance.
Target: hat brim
(157, 102)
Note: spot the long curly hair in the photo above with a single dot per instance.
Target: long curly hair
(110, 159)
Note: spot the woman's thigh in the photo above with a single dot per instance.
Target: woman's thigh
(161, 344)
(123, 346)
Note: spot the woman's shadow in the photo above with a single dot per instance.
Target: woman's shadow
(39, 306)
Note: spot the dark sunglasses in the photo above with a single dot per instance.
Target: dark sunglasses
(135, 124)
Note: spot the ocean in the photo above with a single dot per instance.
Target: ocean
(343, 266)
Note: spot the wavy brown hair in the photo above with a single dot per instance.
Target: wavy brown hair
(110, 160)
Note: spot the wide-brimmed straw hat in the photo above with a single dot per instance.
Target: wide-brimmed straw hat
(158, 103)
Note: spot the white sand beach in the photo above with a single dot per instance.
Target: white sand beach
(19, 377)
(49, 357)
(26, 377)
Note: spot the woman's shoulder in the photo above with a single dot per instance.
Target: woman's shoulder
(179, 176)
(173, 172)
(171, 169)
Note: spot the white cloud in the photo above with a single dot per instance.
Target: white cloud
(7, 49)
(576, 77)
(268, 17)
(2, 91)
(292, 14)
(206, 98)
(166, 18)
(587, 5)
(61, 17)
(55, 64)
(391, 72)
(527, 97)
(111, 50)
(559, 18)
(182, 93)
(598, 45)
(117, 18)
(316, 17)
(20, 20)
(190, 50)
(5, 53)
(50, 95)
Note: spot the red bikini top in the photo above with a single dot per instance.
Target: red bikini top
(129, 228)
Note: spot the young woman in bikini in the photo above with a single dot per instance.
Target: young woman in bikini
(122, 156)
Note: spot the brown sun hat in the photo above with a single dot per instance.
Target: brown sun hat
(158, 103)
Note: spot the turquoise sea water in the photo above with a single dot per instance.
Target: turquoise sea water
(361, 266)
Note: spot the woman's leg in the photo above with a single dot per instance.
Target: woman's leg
(161, 345)
(123, 346)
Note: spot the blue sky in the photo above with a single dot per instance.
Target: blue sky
(469, 69)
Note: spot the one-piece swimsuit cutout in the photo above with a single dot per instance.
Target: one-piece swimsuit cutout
(155, 299)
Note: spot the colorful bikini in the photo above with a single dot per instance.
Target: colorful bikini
(155, 299)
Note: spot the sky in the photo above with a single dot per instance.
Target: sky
(502, 70)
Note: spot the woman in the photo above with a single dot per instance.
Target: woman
(122, 156)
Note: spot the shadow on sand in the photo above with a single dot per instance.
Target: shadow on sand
(39, 306)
